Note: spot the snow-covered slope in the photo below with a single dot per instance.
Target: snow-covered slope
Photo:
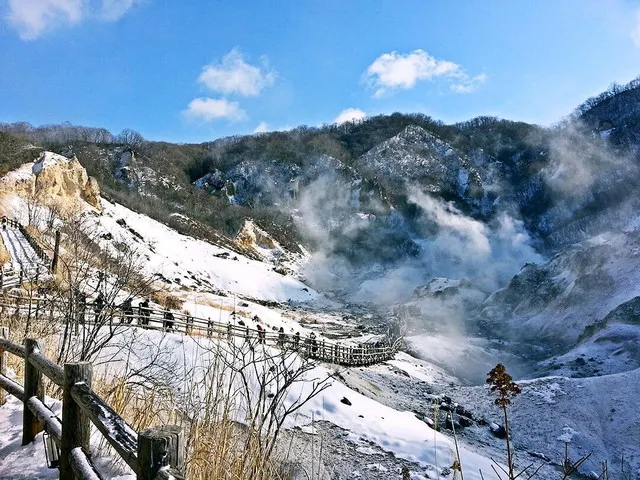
(22, 254)
(564, 300)
(187, 263)
(366, 420)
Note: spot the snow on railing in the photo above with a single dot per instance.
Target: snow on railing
(80, 406)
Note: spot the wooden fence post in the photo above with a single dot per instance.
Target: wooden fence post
(159, 447)
(4, 334)
(75, 423)
(33, 387)
(56, 248)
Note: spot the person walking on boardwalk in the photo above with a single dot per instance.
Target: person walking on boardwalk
(144, 312)
(167, 322)
(307, 344)
(127, 311)
(314, 342)
(81, 306)
(296, 340)
(281, 337)
(261, 334)
(98, 304)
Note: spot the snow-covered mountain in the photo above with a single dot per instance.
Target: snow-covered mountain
(582, 304)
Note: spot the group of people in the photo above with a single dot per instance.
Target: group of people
(144, 312)
(128, 312)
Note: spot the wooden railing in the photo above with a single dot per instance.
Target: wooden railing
(153, 454)
(9, 277)
(10, 222)
(37, 248)
(322, 349)
(44, 256)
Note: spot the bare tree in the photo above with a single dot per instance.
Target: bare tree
(34, 204)
(94, 280)
(130, 138)
(242, 397)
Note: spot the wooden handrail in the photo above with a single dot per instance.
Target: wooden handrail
(323, 349)
(52, 371)
(12, 348)
(37, 248)
(81, 404)
(114, 429)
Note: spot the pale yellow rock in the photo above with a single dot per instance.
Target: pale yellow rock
(51, 179)
(252, 236)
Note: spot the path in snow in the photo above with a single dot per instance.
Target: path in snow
(23, 256)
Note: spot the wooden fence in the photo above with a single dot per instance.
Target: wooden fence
(311, 347)
(112, 316)
(11, 278)
(44, 256)
(153, 454)
(12, 223)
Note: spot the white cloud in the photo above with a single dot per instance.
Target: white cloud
(350, 115)
(468, 84)
(635, 33)
(33, 18)
(235, 76)
(114, 9)
(394, 71)
(261, 128)
(209, 109)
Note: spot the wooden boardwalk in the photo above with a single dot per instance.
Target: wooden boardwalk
(322, 349)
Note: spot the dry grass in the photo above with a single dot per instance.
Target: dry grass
(216, 445)
(40, 329)
(167, 300)
(225, 306)
(4, 254)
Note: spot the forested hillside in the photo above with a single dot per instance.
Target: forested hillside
(484, 166)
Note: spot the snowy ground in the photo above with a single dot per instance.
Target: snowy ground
(17, 462)
(24, 257)
(197, 265)
(602, 411)
(373, 428)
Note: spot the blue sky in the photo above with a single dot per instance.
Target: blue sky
(195, 70)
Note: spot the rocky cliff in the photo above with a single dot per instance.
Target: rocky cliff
(53, 178)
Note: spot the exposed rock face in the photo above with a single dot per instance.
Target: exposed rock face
(59, 176)
(253, 238)
(53, 177)
(583, 296)
(91, 193)
(418, 156)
